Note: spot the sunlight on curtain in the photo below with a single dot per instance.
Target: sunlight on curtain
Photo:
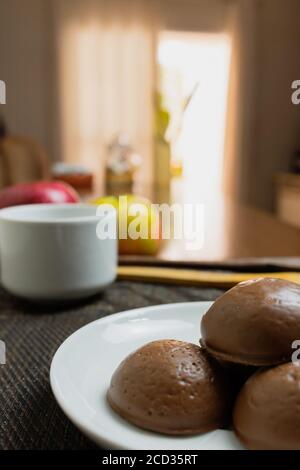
(106, 64)
(107, 75)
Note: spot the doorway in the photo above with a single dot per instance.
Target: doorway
(193, 81)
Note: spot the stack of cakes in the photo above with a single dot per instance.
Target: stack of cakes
(247, 337)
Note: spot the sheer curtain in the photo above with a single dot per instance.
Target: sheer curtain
(106, 68)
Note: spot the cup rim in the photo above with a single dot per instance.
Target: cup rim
(9, 214)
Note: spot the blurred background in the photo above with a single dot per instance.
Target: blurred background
(175, 100)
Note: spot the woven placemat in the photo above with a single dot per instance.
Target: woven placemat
(29, 415)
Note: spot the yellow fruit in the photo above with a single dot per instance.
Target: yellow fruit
(137, 216)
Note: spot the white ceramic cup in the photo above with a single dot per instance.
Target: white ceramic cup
(52, 252)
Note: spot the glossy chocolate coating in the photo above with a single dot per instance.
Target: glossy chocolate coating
(254, 323)
(171, 387)
(266, 414)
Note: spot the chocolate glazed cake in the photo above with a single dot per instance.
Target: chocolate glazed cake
(254, 323)
(267, 410)
(171, 387)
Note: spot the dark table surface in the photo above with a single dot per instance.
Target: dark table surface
(29, 415)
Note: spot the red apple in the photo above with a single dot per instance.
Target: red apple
(38, 193)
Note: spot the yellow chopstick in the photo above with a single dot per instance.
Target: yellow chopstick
(196, 277)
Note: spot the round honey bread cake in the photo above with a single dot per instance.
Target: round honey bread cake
(171, 387)
(267, 411)
(254, 323)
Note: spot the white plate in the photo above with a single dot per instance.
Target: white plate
(83, 365)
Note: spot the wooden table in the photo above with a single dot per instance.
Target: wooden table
(233, 232)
